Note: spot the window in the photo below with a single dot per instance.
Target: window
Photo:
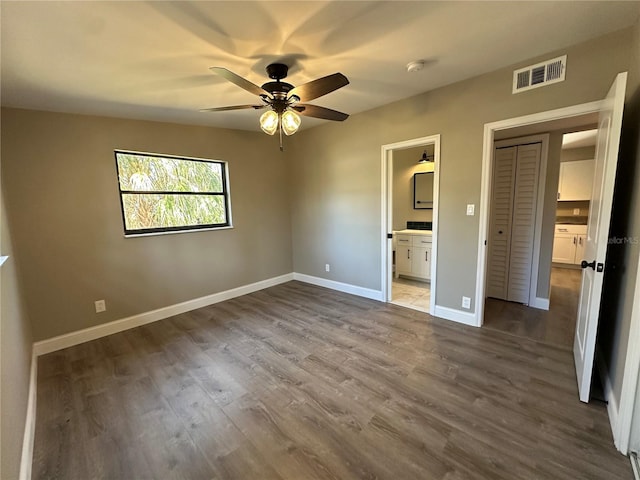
(161, 193)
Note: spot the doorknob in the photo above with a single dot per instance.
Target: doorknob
(585, 264)
(500, 232)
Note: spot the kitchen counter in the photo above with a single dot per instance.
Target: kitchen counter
(572, 220)
(409, 231)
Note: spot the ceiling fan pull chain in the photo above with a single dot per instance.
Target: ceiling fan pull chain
(280, 128)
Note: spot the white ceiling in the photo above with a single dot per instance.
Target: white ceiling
(150, 60)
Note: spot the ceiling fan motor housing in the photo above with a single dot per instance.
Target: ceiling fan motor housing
(277, 71)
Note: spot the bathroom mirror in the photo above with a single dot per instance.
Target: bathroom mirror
(423, 190)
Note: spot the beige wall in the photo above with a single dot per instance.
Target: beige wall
(574, 154)
(62, 199)
(405, 165)
(336, 168)
(15, 359)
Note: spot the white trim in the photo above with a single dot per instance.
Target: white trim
(485, 189)
(540, 303)
(340, 287)
(387, 215)
(85, 335)
(635, 466)
(612, 404)
(3, 259)
(26, 459)
(630, 376)
(173, 232)
(454, 315)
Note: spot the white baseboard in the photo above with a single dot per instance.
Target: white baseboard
(612, 403)
(635, 465)
(30, 422)
(456, 315)
(341, 287)
(540, 303)
(85, 335)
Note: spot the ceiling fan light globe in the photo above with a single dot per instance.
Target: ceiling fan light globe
(290, 122)
(269, 122)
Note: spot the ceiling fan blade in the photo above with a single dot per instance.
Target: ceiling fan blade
(319, 87)
(232, 107)
(239, 81)
(319, 112)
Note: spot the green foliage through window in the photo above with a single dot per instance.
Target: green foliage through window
(162, 194)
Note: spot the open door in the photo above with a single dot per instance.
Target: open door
(609, 127)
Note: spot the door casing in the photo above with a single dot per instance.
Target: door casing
(487, 173)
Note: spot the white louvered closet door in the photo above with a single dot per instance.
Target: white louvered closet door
(523, 222)
(515, 189)
(500, 233)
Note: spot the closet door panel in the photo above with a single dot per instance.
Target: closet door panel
(500, 226)
(523, 222)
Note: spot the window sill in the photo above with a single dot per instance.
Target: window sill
(153, 234)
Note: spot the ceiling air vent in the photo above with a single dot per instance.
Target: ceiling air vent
(540, 74)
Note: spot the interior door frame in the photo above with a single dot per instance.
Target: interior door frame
(487, 174)
(386, 209)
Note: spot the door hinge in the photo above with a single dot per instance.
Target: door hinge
(389, 235)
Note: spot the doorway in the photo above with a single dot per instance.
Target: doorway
(410, 222)
(609, 112)
(551, 314)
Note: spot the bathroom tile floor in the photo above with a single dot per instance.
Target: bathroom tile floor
(411, 293)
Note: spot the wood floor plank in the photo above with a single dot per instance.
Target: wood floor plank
(300, 382)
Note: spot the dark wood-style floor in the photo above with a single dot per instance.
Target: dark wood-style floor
(300, 382)
(556, 325)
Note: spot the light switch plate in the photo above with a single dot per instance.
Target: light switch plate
(471, 208)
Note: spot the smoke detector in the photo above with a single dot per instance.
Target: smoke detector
(415, 66)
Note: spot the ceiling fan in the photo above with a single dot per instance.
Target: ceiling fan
(283, 100)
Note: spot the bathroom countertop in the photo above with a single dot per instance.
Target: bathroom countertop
(408, 231)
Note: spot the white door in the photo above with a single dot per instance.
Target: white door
(595, 248)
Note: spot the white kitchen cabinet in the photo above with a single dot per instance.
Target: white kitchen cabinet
(564, 248)
(576, 180)
(568, 244)
(582, 240)
(413, 255)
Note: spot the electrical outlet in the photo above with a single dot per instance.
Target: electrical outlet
(327, 268)
(471, 208)
(100, 306)
(466, 302)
